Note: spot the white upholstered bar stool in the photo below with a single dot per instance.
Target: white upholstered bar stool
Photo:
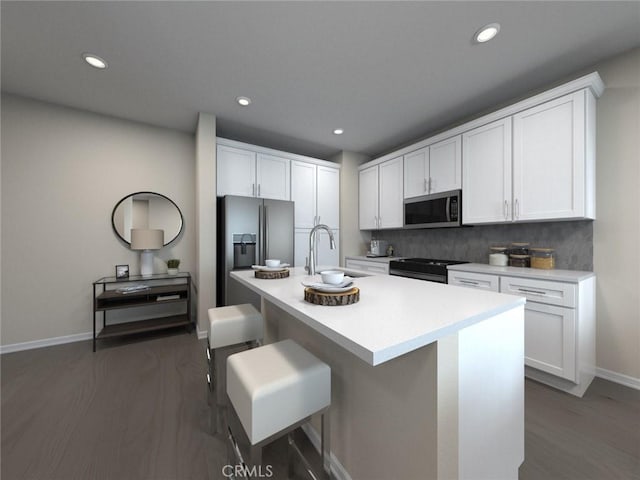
(273, 390)
(230, 328)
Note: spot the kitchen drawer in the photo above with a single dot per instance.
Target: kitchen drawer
(363, 265)
(474, 280)
(541, 291)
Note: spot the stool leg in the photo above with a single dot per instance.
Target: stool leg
(325, 446)
(219, 392)
(290, 455)
(209, 376)
(234, 456)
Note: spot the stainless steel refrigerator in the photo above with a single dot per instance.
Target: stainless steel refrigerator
(250, 230)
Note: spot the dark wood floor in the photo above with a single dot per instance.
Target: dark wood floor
(137, 410)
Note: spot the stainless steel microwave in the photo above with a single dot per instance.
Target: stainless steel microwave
(434, 211)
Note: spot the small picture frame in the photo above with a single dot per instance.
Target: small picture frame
(122, 271)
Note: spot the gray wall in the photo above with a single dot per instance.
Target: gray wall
(573, 241)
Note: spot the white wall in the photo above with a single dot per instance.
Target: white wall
(617, 228)
(206, 216)
(63, 171)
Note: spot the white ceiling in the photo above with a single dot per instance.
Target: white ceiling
(387, 72)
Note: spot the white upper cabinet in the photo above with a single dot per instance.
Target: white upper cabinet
(486, 173)
(368, 198)
(551, 165)
(273, 177)
(416, 173)
(303, 193)
(315, 189)
(546, 173)
(445, 165)
(530, 161)
(434, 169)
(380, 195)
(236, 171)
(390, 196)
(250, 174)
(328, 199)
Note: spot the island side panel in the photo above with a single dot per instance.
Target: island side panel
(448, 442)
(383, 418)
(491, 397)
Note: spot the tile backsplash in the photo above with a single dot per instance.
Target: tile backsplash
(573, 241)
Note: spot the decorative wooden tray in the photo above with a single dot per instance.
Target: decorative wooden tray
(272, 275)
(332, 299)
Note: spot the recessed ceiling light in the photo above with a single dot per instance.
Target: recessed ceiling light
(244, 101)
(486, 33)
(338, 131)
(94, 60)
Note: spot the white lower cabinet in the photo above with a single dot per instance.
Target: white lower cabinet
(367, 265)
(550, 339)
(550, 324)
(559, 323)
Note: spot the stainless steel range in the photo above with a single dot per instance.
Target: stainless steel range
(422, 268)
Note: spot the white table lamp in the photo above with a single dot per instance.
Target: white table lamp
(146, 240)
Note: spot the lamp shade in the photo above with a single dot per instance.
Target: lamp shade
(146, 239)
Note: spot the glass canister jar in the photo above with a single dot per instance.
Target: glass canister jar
(519, 255)
(543, 257)
(498, 255)
(519, 260)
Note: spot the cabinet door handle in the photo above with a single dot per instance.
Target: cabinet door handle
(318, 219)
(517, 212)
(506, 210)
(266, 232)
(258, 189)
(379, 221)
(253, 189)
(430, 184)
(468, 282)
(534, 292)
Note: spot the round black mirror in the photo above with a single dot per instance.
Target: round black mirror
(147, 210)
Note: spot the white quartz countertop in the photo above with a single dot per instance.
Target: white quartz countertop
(571, 276)
(395, 315)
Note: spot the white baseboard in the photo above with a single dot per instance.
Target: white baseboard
(339, 472)
(626, 380)
(46, 342)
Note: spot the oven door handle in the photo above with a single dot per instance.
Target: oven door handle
(419, 275)
(448, 209)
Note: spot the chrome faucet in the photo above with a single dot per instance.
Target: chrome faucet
(311, 260)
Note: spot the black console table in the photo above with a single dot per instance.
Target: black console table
(111, 293)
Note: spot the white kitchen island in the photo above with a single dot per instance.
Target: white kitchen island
(427, 379)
